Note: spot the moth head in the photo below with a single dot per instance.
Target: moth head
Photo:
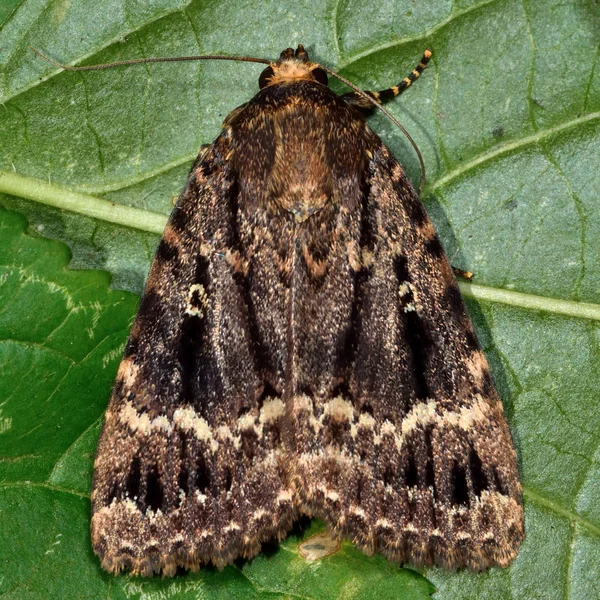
(292, 66)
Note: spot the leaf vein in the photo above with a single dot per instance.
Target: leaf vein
(541, 500)
(71, 445)
(117, 39)
(409, 39)
(501, 149)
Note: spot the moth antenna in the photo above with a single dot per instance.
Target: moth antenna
(264, 61)
(141, 61)
(388, 114)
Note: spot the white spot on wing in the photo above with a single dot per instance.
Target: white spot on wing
(127, 373)
(196, 308)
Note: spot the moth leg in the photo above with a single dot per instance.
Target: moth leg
(388, 94)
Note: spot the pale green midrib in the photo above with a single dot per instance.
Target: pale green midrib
(59, 196)
(569, 308)
(560, 510)
(65, 198)
(508, 146)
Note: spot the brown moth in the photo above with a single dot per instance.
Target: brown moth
(302, 347)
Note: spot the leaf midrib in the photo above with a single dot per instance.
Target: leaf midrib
(79, 200)
(128, 216)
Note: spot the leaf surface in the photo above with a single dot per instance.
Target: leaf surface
(508, 119)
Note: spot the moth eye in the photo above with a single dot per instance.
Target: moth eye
(320, 75)
(263, 80)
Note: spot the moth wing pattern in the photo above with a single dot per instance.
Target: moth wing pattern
(302, 348)
(188, 468)
(411, 456)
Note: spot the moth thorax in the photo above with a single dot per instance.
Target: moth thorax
(300, 178)
(302, 196)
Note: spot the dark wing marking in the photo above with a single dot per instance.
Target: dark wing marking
(302, 347)
(406, 451)
(189, 467)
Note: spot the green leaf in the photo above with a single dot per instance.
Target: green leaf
(508, 119)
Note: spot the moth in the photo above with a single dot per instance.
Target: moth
(301, 347)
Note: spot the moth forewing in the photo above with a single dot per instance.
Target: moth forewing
(302, 348)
